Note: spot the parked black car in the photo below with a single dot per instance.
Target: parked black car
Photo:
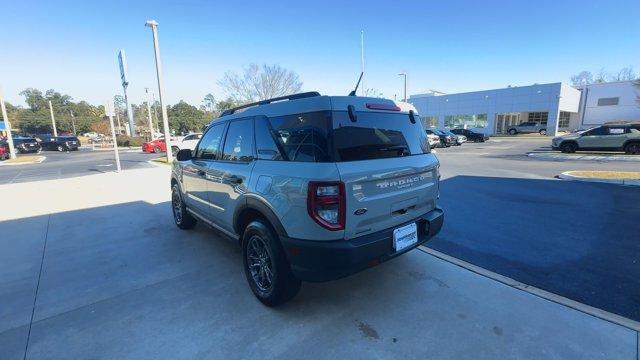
(471, 135)
(60, 143)
(445, 140)
(26, 144)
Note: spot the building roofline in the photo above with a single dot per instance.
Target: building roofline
(478, 91)
(607, 83)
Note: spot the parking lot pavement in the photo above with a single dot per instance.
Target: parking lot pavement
(115, 278)
(59, 165)
(507, 213)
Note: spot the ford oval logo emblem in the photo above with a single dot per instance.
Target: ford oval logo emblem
(360, 211)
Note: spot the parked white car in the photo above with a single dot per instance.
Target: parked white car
(188, 142)
(434, 140)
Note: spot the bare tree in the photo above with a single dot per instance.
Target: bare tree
(624, 74)
(372, 92)
(260, 83)
(581, 79)
(601, 76)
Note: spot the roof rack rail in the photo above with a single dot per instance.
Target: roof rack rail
(269, 101)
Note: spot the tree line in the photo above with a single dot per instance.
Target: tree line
(602, 76)
(35, 118)
(255, 83)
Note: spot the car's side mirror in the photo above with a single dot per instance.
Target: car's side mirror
(184, 155)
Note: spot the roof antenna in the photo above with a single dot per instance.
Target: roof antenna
(353, 93)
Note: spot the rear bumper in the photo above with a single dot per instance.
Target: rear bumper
(318, 261)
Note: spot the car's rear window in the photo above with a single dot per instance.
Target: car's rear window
(332, 137)
(377, 136)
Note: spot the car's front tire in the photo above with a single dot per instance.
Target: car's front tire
(512, 131)
(156, 149)
(568, 147)
(543, 132)
(181, 216)
(266, 267)
(632, 148)
(60, 148)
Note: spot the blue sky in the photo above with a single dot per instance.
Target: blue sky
(451, 46)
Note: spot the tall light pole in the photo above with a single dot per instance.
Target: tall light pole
(53, 120)
(146, 90)
(165, 120)
(7, 127)
(73, 122)
(405, 86)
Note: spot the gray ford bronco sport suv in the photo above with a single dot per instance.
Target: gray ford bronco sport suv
(313, 187)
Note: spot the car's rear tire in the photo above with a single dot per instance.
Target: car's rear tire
(60, 148)
(181, 216)
(543, 132)
(568, 147)
(632, 148)
(156, 149)
(266, 267)
(512, 131)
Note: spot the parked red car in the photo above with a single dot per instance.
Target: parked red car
(4, 150)
(155, 146)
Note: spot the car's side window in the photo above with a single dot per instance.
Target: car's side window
(617, 130)
(209, 144)
(238, 144)
(597, 131)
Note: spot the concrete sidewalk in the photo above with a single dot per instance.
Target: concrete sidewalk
(90, 272)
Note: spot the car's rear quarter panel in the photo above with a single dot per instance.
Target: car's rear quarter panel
(282, 186)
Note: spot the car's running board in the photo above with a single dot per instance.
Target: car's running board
(213, 225)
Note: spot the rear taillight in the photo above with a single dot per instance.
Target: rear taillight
(326, 204)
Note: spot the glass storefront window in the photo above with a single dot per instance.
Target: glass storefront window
(563, 120)
(466, 121)
(430, 121)
(538, 117)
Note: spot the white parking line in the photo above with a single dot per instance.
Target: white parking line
(587, 309)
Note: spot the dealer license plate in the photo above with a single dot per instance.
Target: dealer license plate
(405, 236)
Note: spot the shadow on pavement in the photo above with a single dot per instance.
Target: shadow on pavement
(575, 239)
(121, 281)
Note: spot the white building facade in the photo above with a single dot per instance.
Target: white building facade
(605, 102)
(556, 105)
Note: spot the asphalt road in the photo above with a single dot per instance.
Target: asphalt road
(77, 163)
(507, 213)
(504, 212)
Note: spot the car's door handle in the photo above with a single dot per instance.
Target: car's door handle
(234, 179)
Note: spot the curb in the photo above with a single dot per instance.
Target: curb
(559, 156)
(567, 176)
(124, 148)
(578, 306)
(157, 164)
(38, 161)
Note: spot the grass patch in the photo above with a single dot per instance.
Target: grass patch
(25, 159)
(161, 160)
(617, 175)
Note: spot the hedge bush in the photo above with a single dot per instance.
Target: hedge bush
(129, 141)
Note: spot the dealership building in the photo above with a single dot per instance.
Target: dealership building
(559, 106)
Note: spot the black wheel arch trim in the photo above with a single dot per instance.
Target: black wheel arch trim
(260, 206)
